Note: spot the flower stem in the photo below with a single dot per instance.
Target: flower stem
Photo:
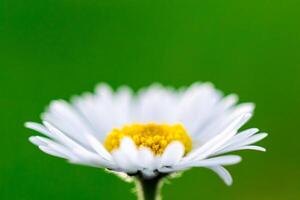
(149, 189)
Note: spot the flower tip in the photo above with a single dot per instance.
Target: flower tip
(30, 125)
(27, 124)
(229, 183)
(265, 134)
(247, 115)
(32, 139)
(35, 140)
(235, 160)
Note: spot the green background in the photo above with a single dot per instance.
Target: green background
(52, 49)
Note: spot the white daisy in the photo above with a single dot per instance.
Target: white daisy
(155, 132)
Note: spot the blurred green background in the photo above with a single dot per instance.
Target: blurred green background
(52, 49)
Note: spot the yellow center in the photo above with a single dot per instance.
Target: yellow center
(154, 136)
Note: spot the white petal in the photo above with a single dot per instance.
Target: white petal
(61, 137)
(122, 162)
(105, 110)
(212, 145)
(93, 110)
(214, 117)
(223, 120)
(99, 148)
(227, 102)
(89, 158)
(223, 173)
(230, 149)
(146, 158)
(52, 147)
(83, 153)
(63, 116)
(238, 138)
(243, 144)
(196, 104)
(253, 139)
(243, 135)
(52, 152)
(172, 154)
(155, 104)
(39, 128)
(38, 140)
(129, 150)
(221, 160)
(210, 163)
(126, 156)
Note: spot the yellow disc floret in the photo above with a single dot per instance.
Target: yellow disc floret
(154, 136)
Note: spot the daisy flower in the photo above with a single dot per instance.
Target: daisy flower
(149, 135)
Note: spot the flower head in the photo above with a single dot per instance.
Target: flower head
(157, 131)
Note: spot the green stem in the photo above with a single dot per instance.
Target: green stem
(149, 189)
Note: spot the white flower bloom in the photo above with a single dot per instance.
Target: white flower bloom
(159, 130)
